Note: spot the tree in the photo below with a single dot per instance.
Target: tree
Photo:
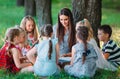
(20, 2)
(30, 7)
(43, 8)
(90, 9)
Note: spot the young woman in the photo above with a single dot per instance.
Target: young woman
(65, 32)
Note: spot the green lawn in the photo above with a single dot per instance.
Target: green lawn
(11, 15)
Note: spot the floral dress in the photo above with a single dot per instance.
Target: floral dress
(78, 69)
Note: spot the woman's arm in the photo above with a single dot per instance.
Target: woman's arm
(15, 52)
(31, 55)
(72, 58)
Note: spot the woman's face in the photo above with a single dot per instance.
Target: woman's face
(64, 20)
(29, 26)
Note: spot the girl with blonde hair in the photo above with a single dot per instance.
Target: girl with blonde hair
(28, 24)
(86, 23)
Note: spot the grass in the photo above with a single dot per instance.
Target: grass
(7, 75)
(110, 16)
(11, 15)
(100, 74)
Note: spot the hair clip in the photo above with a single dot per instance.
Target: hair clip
(83, 21)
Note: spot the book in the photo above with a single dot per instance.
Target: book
(64, 59)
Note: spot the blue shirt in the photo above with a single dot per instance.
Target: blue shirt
(43, 65)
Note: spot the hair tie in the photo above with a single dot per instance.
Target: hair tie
(83, 21)
(86, 53)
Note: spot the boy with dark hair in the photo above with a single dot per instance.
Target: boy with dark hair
(110, 50)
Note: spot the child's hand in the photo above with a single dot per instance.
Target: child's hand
(64, 55)
(30, 64)
(23, 57)
(27, 47)
(67, 55)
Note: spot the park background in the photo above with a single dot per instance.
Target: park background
(11, 14)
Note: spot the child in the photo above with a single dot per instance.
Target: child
(22, 46)
(83, 62)
(22, 43)
(101, 60)
(9, 54)
(45, 63)
(110, 50)
(28, 24)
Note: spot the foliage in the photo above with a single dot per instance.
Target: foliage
(115, 4)
(56, 6)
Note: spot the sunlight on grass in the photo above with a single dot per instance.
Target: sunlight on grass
(116, 35)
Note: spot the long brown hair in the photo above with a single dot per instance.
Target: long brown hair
(23, 26)
(71, 28)
(82, 34)
(47, 30)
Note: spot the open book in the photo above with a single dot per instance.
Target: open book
(64, 59)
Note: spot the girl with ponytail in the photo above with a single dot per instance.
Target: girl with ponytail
(83, 62)
(45, 62)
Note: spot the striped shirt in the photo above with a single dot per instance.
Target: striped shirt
(114, 51)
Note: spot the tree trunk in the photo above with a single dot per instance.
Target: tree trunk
(30, 7)
(43, 8)
(20, 2)
(90, 9)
